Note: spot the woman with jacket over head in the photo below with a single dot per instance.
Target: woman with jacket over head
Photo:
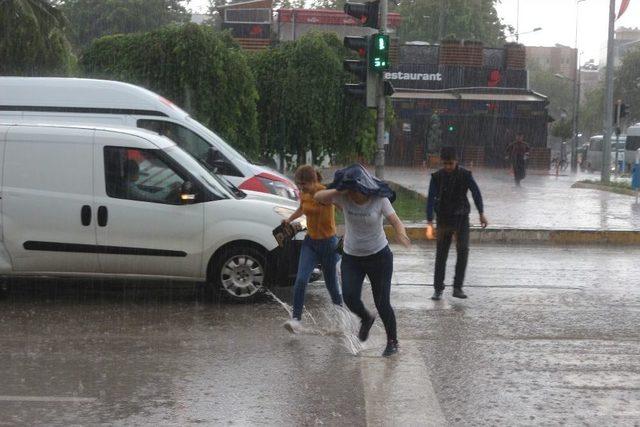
(365, 202)
(318, 247)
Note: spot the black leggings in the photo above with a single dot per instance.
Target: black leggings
(379, 268)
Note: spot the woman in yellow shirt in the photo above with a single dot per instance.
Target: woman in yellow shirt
(318, 247)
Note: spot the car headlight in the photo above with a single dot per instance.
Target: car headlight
(279, 188)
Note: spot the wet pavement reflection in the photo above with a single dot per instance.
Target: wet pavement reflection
(548, 336)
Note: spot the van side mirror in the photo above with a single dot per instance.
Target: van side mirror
(187, 193)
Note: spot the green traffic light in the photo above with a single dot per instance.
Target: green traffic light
(379, 52)
(451, 128)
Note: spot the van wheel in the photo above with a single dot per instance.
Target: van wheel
(239, 273)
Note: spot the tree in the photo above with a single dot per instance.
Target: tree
(302, 106)
(628, 84)
(562, 129)
(32, 41)
(464, 19)
(559, 91)
(592, 111)
(202, 70)
(92, 19)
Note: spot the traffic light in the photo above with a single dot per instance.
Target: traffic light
(379, 52)
(451, 127)
(624, 110)
(373, 51)
(366, 86)
(366, 13)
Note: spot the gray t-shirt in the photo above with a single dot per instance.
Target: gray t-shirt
(364, 233)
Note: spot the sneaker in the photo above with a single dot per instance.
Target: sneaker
(365, 327)
(458, 293)
(293, 325)
(437, 296)
(391, 349)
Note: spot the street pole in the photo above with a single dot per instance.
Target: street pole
(440, 22)
(608, 99)
(576, 100)
(382, 102)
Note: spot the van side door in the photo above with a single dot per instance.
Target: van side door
(47, 201)
(143, 227)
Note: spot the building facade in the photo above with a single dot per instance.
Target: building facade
(467, 96)
(558, 59)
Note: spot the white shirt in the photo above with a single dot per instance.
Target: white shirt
(364, 232)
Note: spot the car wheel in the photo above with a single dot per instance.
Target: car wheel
(239, 273)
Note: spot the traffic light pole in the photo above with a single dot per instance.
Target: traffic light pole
(380, 154)
(608, 100)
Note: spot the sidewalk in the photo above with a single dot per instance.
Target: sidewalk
(544, 202)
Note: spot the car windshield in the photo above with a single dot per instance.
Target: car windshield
(213, 181)
(219, 142)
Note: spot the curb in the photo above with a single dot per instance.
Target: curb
(537, 236)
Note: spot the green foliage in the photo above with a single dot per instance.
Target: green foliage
(32, 41)
(469, 20)
(628, 84)
(562, 129)
(558, 90)
(92, 19)
(592, 112)
(201, 70)
(302, 106)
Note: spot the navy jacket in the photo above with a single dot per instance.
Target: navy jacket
(357, 178)
(448, 195)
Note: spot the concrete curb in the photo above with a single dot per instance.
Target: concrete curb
(536, 236)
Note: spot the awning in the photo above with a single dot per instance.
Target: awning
(462, 96)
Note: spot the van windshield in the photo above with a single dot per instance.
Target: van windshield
(228, 149)
(211, 180)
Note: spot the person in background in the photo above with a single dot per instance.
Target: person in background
(518, 151)
(318, 247)
(448, 198)
(365, 203)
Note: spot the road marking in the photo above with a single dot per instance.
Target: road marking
(398, 390)
(47, 399)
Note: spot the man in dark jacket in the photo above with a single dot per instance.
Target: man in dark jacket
(448, 198)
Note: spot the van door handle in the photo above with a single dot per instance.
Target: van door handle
(85, 215)
(103, 216)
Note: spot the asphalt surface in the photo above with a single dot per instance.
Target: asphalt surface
(548, 336)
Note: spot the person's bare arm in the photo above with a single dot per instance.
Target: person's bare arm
(401, 232)
(297, 214)
(325, 196)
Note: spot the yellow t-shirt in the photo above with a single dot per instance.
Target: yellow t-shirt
(321, 222)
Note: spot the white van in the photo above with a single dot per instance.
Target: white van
(632, 145)
(87, 200)
(111, 103)
(594, 152)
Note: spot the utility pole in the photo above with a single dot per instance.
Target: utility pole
(382, 101)
(440, 22)
(608, 99)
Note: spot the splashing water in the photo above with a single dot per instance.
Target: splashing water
(339, 322)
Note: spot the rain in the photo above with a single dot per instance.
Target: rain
(321, 212)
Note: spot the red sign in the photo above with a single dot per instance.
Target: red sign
(327, 17)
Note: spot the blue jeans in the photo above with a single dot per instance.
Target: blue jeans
(314, 252)
(379, 268)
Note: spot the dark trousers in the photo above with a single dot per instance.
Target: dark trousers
(379, 268)
(460, 227)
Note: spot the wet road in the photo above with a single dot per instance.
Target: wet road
(548, 336)
(543, 201)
